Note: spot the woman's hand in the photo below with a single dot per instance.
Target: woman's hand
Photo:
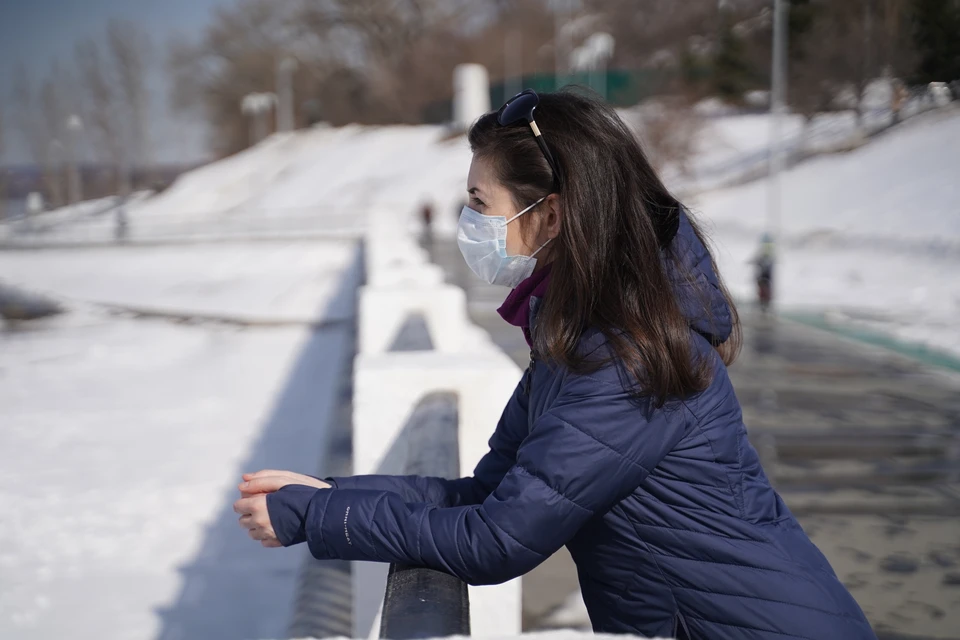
(255, 518)
(269, 480)
(252, 506)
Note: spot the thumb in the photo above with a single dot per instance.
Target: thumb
(264, 484)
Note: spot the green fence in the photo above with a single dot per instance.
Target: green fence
(618, 87)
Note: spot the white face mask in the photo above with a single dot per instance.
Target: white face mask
(483, 243)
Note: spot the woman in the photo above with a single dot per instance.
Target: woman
(623, 441)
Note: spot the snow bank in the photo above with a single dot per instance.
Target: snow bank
(121, 446)
(279, 282)
(874, 233)
(322, 171)
(124, 437)
(901, 185)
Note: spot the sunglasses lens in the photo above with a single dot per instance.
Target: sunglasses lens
(518, 108)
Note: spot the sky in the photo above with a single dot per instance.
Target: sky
(38, 32)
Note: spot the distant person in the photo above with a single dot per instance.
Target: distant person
(121, 223)
(623, 441)
(764, 262)
(898, 99)
(426, 217)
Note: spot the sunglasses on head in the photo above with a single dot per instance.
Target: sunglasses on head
(520, 108)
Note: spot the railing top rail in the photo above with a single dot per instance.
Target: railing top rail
(418, 602)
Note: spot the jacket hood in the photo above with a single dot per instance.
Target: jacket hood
(696, 285)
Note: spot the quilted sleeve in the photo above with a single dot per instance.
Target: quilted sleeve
(473, 489)
(589, 451)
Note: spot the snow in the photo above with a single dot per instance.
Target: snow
(319, 180)
(873, 234)
(283, 281)
(46, 221)
(123, 438)
(903, 184)
(733, 147)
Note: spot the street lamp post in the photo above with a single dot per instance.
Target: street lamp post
(778, 96)
(55, 153)
(74, 126)
(285, 116)
(257, 105)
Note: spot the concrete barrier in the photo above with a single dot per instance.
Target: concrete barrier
(389, 385)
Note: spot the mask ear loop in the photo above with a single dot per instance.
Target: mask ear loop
(541, 247)
(525, 210)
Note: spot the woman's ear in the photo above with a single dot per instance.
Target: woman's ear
(552, 216)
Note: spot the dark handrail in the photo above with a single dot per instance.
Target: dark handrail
(423, 603)
(418, 602)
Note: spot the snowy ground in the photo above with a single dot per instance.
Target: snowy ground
(123, 437)
(281, 281)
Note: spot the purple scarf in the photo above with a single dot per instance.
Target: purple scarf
(516, 308)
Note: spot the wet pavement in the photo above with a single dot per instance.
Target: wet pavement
(862, 443)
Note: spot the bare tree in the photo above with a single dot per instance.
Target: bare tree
(130, 50)
(669, 130)
(235, 56)
(848, 46)
(100, 106)
(55, 106)
(27, 117)
(405, 49)
(367, 61)
(532, 20)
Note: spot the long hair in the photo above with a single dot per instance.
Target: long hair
(609, 270)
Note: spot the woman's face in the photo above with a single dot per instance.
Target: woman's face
(491, 198)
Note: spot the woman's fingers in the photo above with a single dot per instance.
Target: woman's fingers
(251, 505)
(250, 523)
(265, 484)
(268, 472)
(255, 518)
(260, 483)
(262, 533)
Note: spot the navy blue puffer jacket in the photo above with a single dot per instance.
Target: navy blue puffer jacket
(672, 523)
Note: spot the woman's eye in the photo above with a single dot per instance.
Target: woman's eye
(476, 202)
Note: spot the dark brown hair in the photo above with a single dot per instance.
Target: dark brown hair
(608, 270)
